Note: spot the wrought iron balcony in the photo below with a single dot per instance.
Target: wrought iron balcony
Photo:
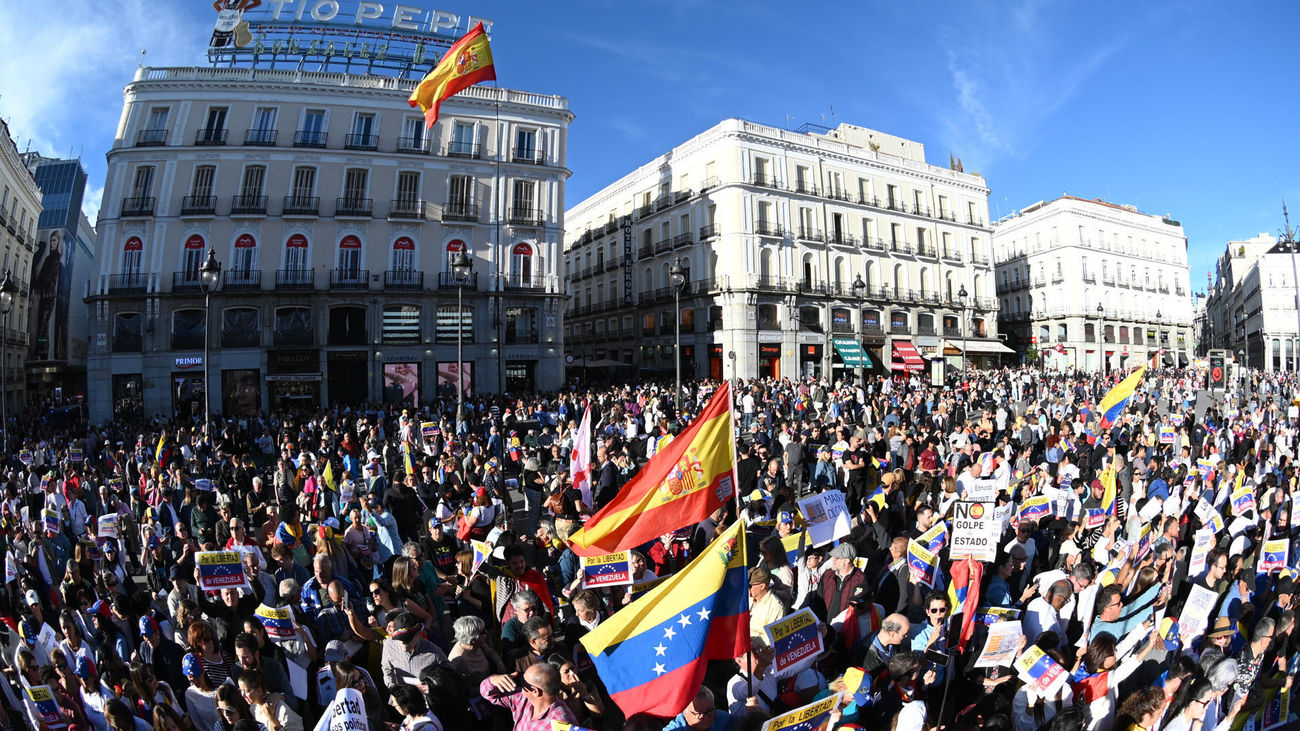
(525, 217)
(199, 205)
(349, 278)
(411, 208)
(260, 137)
(522, 283)
(357, 141)
(292, 279)
(412, 144)
(301, 205)
(708, 232)
(248, 205)
(133, 283)
(308, 138)
(210, 137)
(151, 138)
(403, 279)
(529, 155)
(186, 282)
(348, 206)
(135, 207)
(462, 149)
(459, 211)
(236, 279)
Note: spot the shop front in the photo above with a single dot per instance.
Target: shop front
(906, 358)
(715, 362)
(347, 376)
(810, 360)
(293, 379)
(847, 353)
(187, 387)
(769, 360)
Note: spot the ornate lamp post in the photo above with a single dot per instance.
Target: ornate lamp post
(678, 277)
(209, 278)
(460, 270)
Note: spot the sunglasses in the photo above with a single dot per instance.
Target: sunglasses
(938, 610)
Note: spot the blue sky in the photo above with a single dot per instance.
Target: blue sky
(1188, 108)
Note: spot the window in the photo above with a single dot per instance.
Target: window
(454, 246)
(127, 332)
(401, 324)
(801, 180)
(526, 144)
(460, 191)
(157, 118)
(348, 326)
(761, 170)
(313, 121)
(350, 257)
(131, 254)
(404, 255)
(462, 141)
(243, 264)
(295, 253)
(141, 187)
(203, 177)
(254, 177)
(354, 184)
(521, 325)
(764, 216)
(523, 200)
(408, 188)
(264, 119)
(304, 185)
(240, 328)
(363, 131)
(192, 258)
(214, 129)
(521, 263)
(187, 329)
(447, 324)
(412, 138)
(292, 326)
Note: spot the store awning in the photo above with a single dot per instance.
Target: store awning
(906, 357)
(976, 346)
(851, 352)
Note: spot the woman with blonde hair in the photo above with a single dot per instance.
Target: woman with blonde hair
(408, 590)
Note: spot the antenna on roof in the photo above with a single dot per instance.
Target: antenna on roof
(788, 119)
(143, 51)
(1286, 221)
(832, 106)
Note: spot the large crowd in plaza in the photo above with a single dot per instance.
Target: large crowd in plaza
(403, 570)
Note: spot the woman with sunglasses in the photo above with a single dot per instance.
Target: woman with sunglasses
(381, 603)
(150, 691)
(231, 708)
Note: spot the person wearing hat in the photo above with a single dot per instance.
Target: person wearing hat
(407, 653)
(201, 695)
(93, 695)
(765, 606)
(838, 583)
(159, 651)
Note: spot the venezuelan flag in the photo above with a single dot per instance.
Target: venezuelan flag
(652, 654)
(682, 484)
(408, 463)
(1109, 503)
(327, 476)
(964, 592)
(163, 452)
(467, 62)
(1118, 397)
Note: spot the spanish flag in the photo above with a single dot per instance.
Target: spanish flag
(682, 484)
(652, 654)
(467, 62)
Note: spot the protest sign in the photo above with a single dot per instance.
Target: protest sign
(1002, 646)
(429, 429)
(612, 569)
(1095, 517)
(1196, 613)
(641, 587)
(1002, 515)
(1215, 523)
(1204, 510)
(11, 567)
(1243, 500)
(76, 454)
(993, 615)
(935, 538)
(975, 532)
(1176, 419)
(1273, 556)
(47, 708)
(1167, 435)
(221, 570)
(25, 456)
(1201, 547)
(922, 563)
(981, 491)
(347, 712)
(1204, 467)
(278, 622)
(1150, 509)
(826, 516)
(1276, 711)
(1042, 674)
(1145, 538)
(204, 484)
(815, 716)
(1035, 508)
(50, 520)
(107, 526)
(794, 639)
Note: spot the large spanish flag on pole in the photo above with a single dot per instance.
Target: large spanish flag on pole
(467, 62)
(652, 654)
(682, 484)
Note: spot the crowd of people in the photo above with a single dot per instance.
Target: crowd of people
(364, 604)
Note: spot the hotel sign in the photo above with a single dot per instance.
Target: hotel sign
(336, 35)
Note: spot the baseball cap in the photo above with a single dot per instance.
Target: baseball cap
(335, 651)
(32, 597)
(110, 546)
(147, 626)
(191, 665)
(784, 517)
(174, 573)
(331, 522)
(101, 608)
(858, 684)
(27, 630)
(861, 595)
(406, 626)
(85, 668)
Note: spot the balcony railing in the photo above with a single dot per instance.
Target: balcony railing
(357, 141)
(664, 245)
(403, 279)
(248, 205)
(198, 205)
(354, 207)
(295, 278)
(841, 327)
(811, 234)
(764, 228)
(763, 181)
(210, 137)
(349, 278)
(873, 244)
(872, 328)
(525, 217)
(899, 329)
(927, 251)
(775, 284)
(151, 138)
(950, 255)
(805, 188)
(458, 211)
(522, 283)
(529, 155)
(925, 329)
(462, 149)
(408, 208)
(1089, 277)
(708, 232)
(411, 144)
(900, 247)
(134, 283)
(307, 138)
(645, 251)
(186, 282)
(260, 137)
(683, 240)
(950, 331)
(447, 280)
(234, 279)
(301, 205)
(842, 239)
(837, 194)
(135, 207)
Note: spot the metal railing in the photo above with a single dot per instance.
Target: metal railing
(260, 137)
(133, 283)
(354, 207)
(764, 228)
(248, 205)
(198, 205)
(519, 282)
(525, 217)
(403, 279)
(811, 234)
(349, 278)
(411, 144)
(462, 149)
(210, 137)
(459, 211)
(307, 138)
(134, 207)
(186, 282)
(234, 279)
(763, 181)
(709, 231)
(301, 205)
(151, 138)
(295, 278)
(447, 280)
(412, 208)
(685, 239)
(529, 155)
(357, 141)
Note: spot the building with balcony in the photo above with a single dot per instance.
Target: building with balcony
(20, 212)
(335, 215)
(773, 229)
(1090, 285)
(1251, 306)
(64, 260)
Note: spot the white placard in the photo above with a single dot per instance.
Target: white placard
(1003, 644)
(975, 531)
(1200, 551)
(826, 516)
(1196, 613)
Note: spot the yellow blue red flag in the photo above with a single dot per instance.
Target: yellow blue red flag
(681, 485)
(1118, 397)
(466, 63)
(652, 654)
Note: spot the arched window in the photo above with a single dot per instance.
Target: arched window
(243, 269)
(454, 246)
(132, 251)
(349, 258)
(295, 253)
(240, 328)
(871, 275)
(192, 258)
(765, 272)
(521, 265)
(187, 329)
(293, 326)
(403, 273)
(900, 279)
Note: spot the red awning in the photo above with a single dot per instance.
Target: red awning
(906, 358)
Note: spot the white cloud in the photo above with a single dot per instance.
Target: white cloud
(65, 63)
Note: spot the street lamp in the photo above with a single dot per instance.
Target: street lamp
(859, 292)
(961, 297)
(460, 268)
(1101, 336)
(209, 276)
(678, 277)
(7, 289)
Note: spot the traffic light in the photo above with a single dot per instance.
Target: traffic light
(1218, 377)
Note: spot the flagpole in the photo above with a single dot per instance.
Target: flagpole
(744, 544)
(499, 195)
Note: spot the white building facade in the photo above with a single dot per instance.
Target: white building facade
(1251, 308)
(335, 215)
(1090, 285)
(773, 229)
(20, 210)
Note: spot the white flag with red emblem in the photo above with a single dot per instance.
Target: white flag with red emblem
(580, 459)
